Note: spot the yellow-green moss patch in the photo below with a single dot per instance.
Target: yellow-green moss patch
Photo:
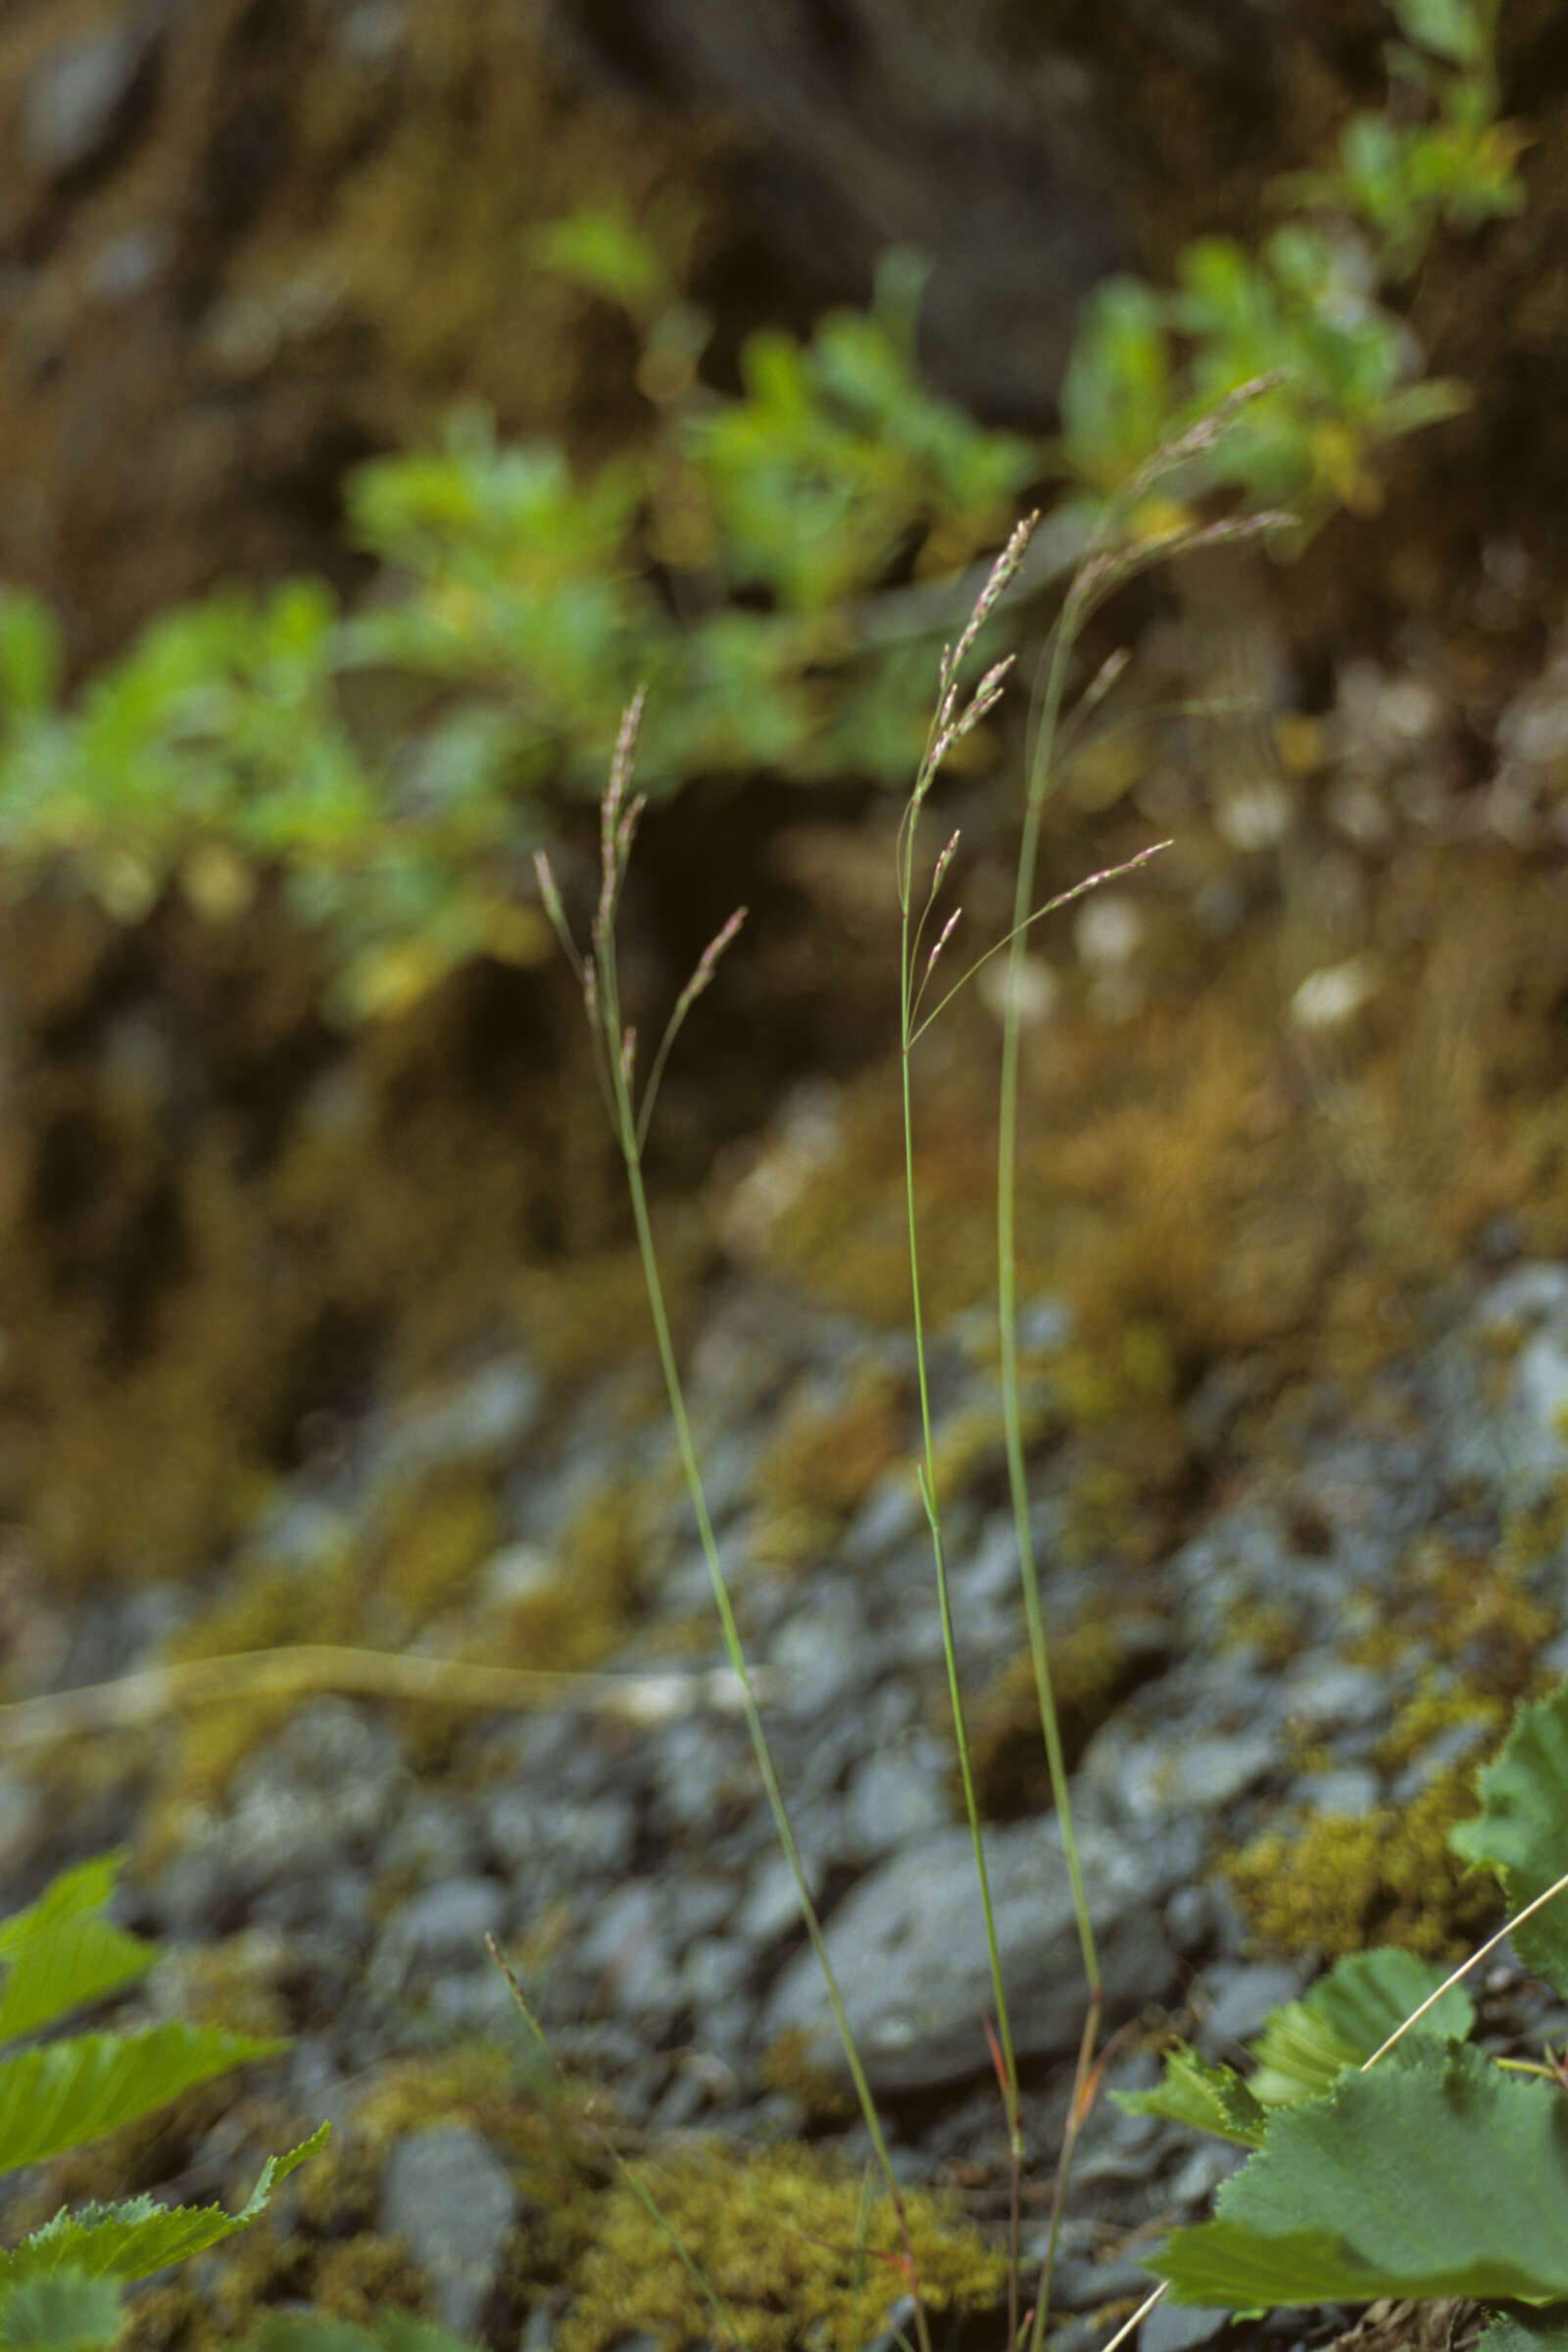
(775, 2237)
(1093, 1664)
(823, 1462)
(1344, 1882)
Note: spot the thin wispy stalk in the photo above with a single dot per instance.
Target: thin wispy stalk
(954, 720)
(1064, 898)
(631, 2179)
(600, 978)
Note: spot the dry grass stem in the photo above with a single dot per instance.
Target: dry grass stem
(139, 1699)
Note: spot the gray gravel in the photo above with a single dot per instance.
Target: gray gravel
(677, 1957)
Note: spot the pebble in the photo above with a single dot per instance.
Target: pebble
(450, 2199)
(913, 1975)
(679, 1956)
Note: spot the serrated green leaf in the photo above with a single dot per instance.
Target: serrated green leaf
(133, 2240)
(68, 2312)
(71, 2092)
(57, 1954)
(1520, 1830)
(1204, 2096)
(1347, 2015)
(1436, 2174)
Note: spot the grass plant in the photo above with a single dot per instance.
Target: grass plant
(1319, 2145)
(1115, 554)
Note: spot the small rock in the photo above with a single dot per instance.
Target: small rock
(910, 1954)
(79, 100)
(1178, 1779)
(894, 1796)
(1241, 2000)
(446, 2195)
(1354, 1790)
(1180, 2327)
(443, 1927)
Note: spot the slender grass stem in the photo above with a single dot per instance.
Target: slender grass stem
(1007, 1265)
(1008, 2067)
(614, 1053)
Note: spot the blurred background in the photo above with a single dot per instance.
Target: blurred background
(388, 386)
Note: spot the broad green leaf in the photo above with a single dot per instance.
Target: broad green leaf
(68, 2312)
(1349, 2014)
(1205, 2097)
(64, 1968)
(70, 2091)
(132, 2240)
(58, 1954)
(1522, 1830)
(71, 1895)
(1436, 2174)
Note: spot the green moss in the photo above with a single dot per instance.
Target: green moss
(1475, 1612)
(775, 2236)
(441, 1534)
(234, 1984)
(1438, 1708)
(1343, 1883)
(349, 2278)
(824, 1461)
(1093, 1665)
(165, 2319)
(587, 1598)
(786, 2068)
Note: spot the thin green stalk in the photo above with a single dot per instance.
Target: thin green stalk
(950, 722)
(1008, 1266)
(1068, 625)
(616, 1047)
(737, 1658)
(1107, 563)
(909, 995)
(639, 2189)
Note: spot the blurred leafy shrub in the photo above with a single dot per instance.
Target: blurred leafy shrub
(391, 766)
(1305, 305)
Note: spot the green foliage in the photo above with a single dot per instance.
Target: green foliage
(1203, 2095)
(1526, 2330)
(391, 770)
(1438, 2175)
(1519, 1830)
(1305, 307)
(69, 2311)
(1305, 2046)
(1346, 2018)
(1404, 178)
(1426, 2170)
(60, 1952)
(60, 2288)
